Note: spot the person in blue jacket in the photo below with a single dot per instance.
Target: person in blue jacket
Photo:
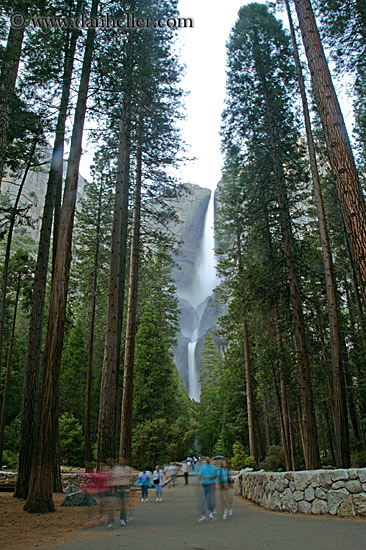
(207, 477)
(145, 481)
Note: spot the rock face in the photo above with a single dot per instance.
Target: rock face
(334, 492)
(34, 191)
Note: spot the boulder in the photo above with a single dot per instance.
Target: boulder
(359, 504)
(319, 506)
(79, 499)
(304, 507)
(288, 503)
(346, 508)
(302, 480)
(319, 493)
(339, 474)
(354, 486)
(321, 478)
(335, 499)
(309, 494)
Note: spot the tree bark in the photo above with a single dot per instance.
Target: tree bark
(249, 388)
(341, 156)
(89, 368)
(34, 345)
(107, 422)
(125, 448)
(340, 412)
(41, 480)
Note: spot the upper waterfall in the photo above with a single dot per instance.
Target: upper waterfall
(204, 276)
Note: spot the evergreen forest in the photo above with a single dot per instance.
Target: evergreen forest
(89, 311)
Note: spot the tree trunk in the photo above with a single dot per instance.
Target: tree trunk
(107, 422)
(41, 480)
(283, 390)
(34, 345)
(340, 412)
(249, 389)
(8, 77)
(266, 422)
(89, 368)
(125, 448)
(309, 432)
(7, 374)
(4, 283)
(283, 397)
(348, 184)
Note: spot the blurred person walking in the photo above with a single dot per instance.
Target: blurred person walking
(119, 482)
(207, 476)
(185, 471)
(226, 492)
(158, 480)
(144, 480)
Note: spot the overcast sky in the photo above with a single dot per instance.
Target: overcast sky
(203, 51)
(204, 54)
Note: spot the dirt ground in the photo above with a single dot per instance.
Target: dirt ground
(22, 531)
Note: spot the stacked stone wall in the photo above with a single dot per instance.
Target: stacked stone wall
(335, 492)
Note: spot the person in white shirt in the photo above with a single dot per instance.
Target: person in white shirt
(158, 481)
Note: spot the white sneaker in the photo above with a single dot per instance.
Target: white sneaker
(157, 500)
(122, 522)
(142, 500)
(225, 515)
(230, 512)
(160, 500)
(146, 500)
(211, 516)
(202, 518)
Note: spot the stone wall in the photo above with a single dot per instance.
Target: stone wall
(335, 492)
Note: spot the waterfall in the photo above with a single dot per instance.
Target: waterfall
(204, 280)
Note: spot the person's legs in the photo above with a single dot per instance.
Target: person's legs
(211, 498)
(203, 500)
(123, 499)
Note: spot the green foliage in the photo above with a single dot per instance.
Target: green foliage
(239, 456)
(73, 373)
(358, 459)
(150, 443)
(250, 462)
(154, 392)
(209, 409)
(275, 459)
(11, 435)
(10, 459)
(71, 440)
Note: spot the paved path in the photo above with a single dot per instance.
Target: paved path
(173, 525)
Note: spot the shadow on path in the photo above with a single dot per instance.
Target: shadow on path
(173, 525)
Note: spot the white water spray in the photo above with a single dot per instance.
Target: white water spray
(204, 280)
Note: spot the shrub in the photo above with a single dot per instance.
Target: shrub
(275, 459)
(358, 459)
(10, 459)
(250, 462)
(239, 456)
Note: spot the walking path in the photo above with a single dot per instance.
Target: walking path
(173, 525)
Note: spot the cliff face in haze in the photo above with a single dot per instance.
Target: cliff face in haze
(34, 191)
